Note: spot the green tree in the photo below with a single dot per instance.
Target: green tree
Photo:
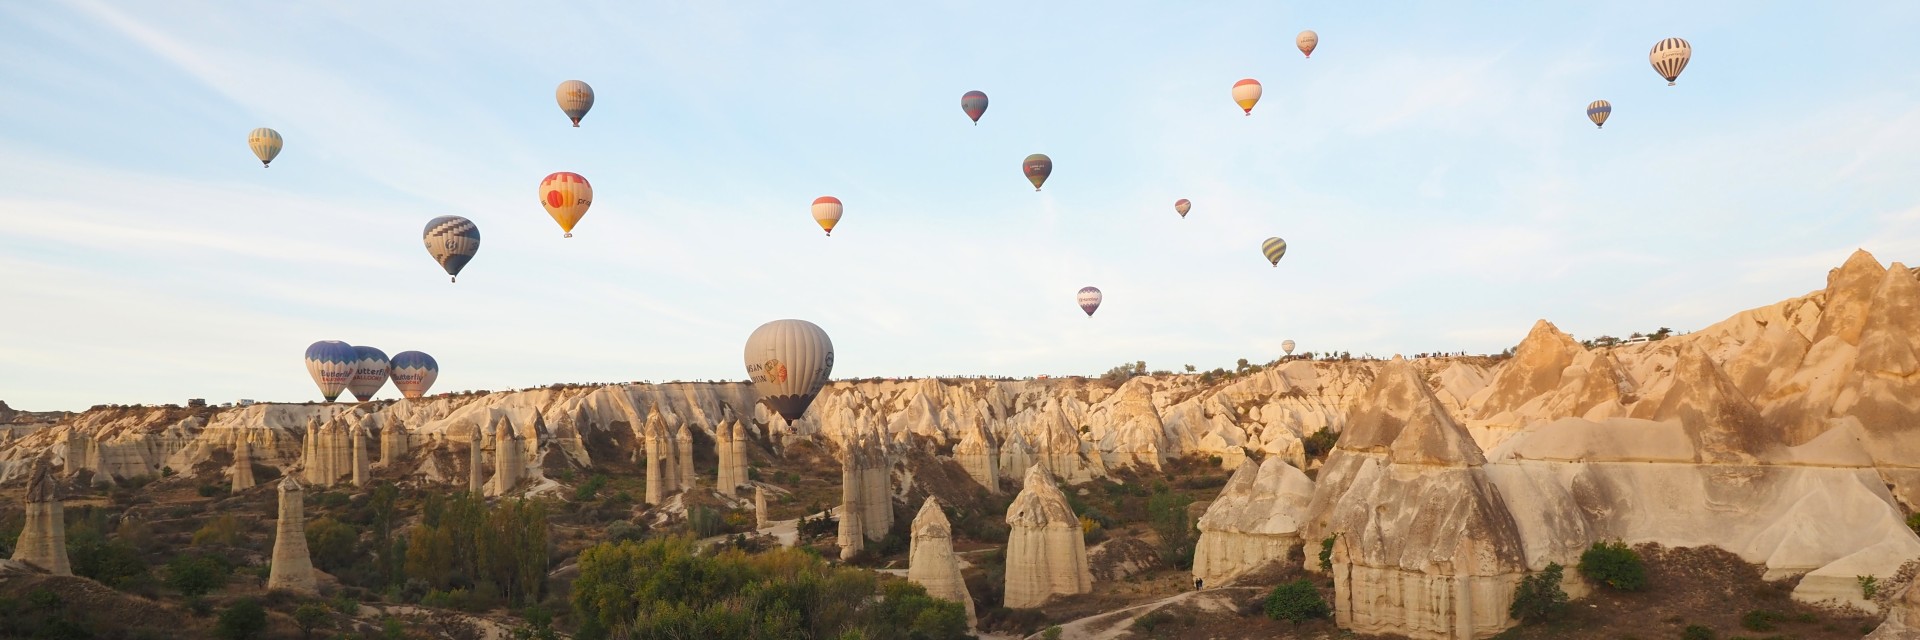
(1296, 602)
(1539, 597)
(332, 543)
(310, 616)
(196, 575)
(242, 621)
(430, 555)
(1167, 513)
(1615, 565)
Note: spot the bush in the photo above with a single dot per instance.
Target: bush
(244, 620)
(1913, 522)
(1759, 620)
(222, 530)
(1540, 597)
(209, 490)
(196, 575)
(1326, 554)
(1869, 586)
(1296, 602)
(1614, 564)
(1320, 443)
(310, 616)
(1696, 632)
(591, 488)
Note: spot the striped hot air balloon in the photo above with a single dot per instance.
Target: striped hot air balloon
(1274, 248)
(1182, 206)
(1597, 111)
(575, 98)
(452, 241)
(1089, 299)
(789, 362)
(826, 211)
(331, 363)
(369, 373)
(266, 145)
(566, 197)
(1037, 167)
(1307, 41)
(1669, 58)
(413, 373)
(975, 104)
(1246, 93)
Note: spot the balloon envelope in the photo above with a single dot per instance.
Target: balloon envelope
(1597, 111)
(826, 211)
(266, 144)
(369, 373)
(1037, 167)
(452, 241)
(1274, 248)
(1182, 206)
(1287, 346)
(331, 363)
(575, 99)
(789, 362)
(1089, 299)
(975, 104)
(1246, 93)
(1669, 58)
(566, 197)
(413, 373)
(1307, 40)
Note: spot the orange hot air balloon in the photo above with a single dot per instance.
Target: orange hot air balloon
(1246, 93)
(566, 197)
(826, 211)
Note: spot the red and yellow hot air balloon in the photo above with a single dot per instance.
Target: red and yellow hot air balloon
(566, 197)
(1246, 93)
(826, 211)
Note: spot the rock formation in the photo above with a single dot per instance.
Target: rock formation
(683, 445)
(1046, 550)
(509, 459)
(292, 568)
(362, 466)
(724, 480)
(309, 451)
(43, 541)
(476, 460)
(739, 456)
(242, 466)
(852, 537)
(657, 477)
(1255, 520)
(394, 446)
(930, 559)
(980, 457)
(876, 496)
(759, 507)
(1425, 547)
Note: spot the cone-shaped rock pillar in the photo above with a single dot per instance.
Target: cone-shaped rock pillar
(292, 568)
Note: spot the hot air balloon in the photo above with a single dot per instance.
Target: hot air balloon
(452, 241)
(1307, 40)
(789, 361)
(1287, 346)
(975, 104)
(1246, 93)
(266, 144)
(413, 373)
(1089, 299)
(1669, 57)
(566, 197)
(331, 363)
(826, 211)
(1037, 167)
(575, 98)
(1274, 248)
(369, 373)
(1182, 206)
(1597, 111)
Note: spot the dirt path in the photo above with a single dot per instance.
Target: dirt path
(1114, 624)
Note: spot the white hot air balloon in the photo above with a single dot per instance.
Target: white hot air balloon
(1287, 346)
(789, 362)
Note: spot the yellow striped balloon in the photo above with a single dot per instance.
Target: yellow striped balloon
(575, 98)
(1246, 93)
(1669, 58)
(826, 211)
(1597, 111)
(266, 144)
(566, 197)
(1274, 248)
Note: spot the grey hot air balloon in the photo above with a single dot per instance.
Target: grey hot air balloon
(575, 98)
(1287, 346)
(789, 362)
(452, 241)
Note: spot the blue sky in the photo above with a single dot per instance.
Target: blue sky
(1431, 168)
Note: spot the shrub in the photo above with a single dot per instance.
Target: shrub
(221, 530)
(245, 619)
(209, 490)
(1759, 620)
(1913, 522)
(1696, 632)
(1326, 554)
(310, 616)
(588, 490)
(1320, 443)
(1052, 633)
(196, 575)
(1869, 586)
(1614, 564)
(1540, 597)
(1296, 602)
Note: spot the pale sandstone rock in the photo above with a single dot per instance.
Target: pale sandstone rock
(509, 460)
(683, 445)
(852, 535)
(394, 444)
(1046, 551)
(724, 480)
(930, 559)
(43, 540)
(1255, 521)
(978, 454)
(739, 455)
(759, 507)
(362, 466)
(876, 497)
(476, 461)
(242, 467)
(292, 567)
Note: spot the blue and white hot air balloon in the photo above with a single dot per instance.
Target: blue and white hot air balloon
(369, 373)
(452, 241)
(331, 363)
(413, 373)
